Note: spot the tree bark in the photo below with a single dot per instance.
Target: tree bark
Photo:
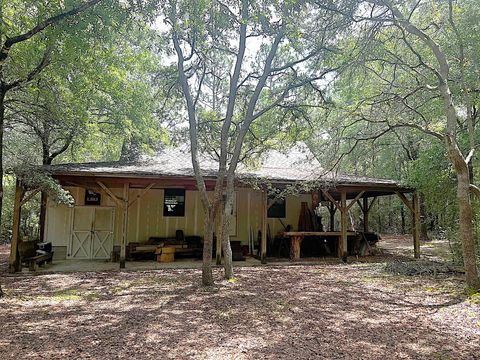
(2, 120)
(423, 219)
(227, 218)
(402, 215)
(466, 233)
(207, 275)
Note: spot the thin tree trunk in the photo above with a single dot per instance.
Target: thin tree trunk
(465, 214)
(402, 215)
(2, 119)
(227, 218)
(423, 219)
(207, 275)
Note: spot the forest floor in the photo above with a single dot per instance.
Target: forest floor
(330, 311)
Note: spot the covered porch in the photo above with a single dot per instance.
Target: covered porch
(123, 195)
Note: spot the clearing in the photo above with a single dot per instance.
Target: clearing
(273, 312)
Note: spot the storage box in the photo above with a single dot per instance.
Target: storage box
(166, 258)
(168, 250)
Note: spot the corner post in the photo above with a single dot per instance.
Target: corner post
(123, 246)
(365, 210)
(416, 225)
(14, 260)
(342, 248)
(263, 245)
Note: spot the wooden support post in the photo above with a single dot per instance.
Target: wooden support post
(365, 214)
(219, 234)
(342, 246)
(263, 245)
(416, 225)
(332, 210)
(123, 246)
(295, 246)
(14, 260)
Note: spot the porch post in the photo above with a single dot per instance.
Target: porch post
(342, 248)
(332, 210)
(123, 246)
(14, 260)
(263, 245)
(416, 225)
(365, 210)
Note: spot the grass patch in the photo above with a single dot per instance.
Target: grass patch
(473, 296)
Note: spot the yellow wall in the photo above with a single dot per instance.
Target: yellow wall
(146, 216)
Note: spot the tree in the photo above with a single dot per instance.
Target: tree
(247, 59)
(13, 35)
(418, 73)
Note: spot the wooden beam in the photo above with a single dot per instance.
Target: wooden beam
(359, 195)
(416, 225)
(142, 193)
(360, 205)
(14, 259)
(371, 204)
(30, 196)
(332, 200)
(125, 226)
(342, 246)
(263, 245)
(406, 202)
(111, 194)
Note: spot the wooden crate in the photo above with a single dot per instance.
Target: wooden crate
(166, 258)
(168, 250)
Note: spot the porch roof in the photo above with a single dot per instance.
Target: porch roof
(296, 165)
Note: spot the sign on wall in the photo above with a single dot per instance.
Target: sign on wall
(174, 202)
(92, 197)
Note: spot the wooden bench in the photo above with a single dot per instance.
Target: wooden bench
(38, 260)
(32, 257)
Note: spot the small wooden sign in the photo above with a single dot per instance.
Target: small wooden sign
(92, 197)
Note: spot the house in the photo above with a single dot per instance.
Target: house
(117, 203)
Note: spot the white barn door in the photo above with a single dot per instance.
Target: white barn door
(92, 233)
(102, 234)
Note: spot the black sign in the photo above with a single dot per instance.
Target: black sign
(92, 197)
(277, 208)
(174, 202)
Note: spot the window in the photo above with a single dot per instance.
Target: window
(276, 208)
(174, 202)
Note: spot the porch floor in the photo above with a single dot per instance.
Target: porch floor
(72, 265)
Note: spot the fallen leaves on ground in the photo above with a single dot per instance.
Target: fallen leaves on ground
(331, 311)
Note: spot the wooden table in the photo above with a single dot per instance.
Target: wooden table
(296, 238)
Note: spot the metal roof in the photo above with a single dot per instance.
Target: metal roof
(298, 164)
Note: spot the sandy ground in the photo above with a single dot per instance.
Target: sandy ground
(330, 311)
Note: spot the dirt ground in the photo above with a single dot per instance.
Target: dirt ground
(329, 311)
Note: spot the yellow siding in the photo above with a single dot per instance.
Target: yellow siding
(146, 216)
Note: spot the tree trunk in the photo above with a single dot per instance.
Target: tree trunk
(423, 219)
(207, 275)
(402, 216)
(2, 119)
(465, 215)
(227, 217)
(47, 160)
